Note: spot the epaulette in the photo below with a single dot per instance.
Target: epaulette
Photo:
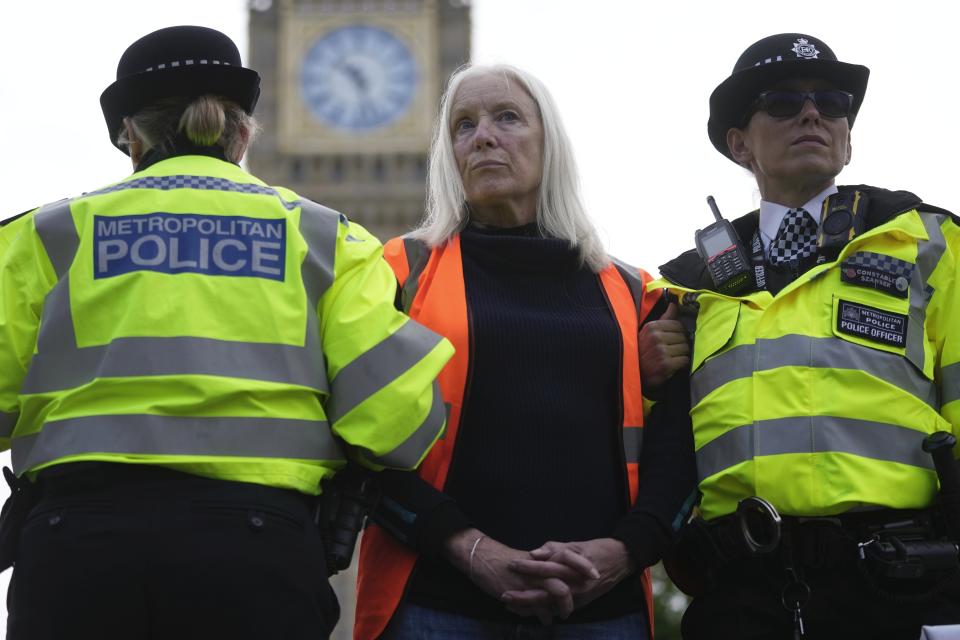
(4, 223)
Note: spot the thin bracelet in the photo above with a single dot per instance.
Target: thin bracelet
(473, 550)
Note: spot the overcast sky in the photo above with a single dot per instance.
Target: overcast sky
(632, 80)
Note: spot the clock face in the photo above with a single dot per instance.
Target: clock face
(358, 78)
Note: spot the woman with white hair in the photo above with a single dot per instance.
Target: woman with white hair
(538, 505)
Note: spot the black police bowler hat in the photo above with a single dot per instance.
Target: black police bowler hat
(768, 61)
(174, 62)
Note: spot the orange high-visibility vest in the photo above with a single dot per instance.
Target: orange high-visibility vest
(433, 294)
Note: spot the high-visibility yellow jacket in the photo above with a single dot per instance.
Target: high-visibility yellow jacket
(9, 229)
(818, 398)
(193, 317)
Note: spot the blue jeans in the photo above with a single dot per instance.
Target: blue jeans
(413, 622)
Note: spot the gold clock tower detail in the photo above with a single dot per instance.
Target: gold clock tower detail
(350, 94)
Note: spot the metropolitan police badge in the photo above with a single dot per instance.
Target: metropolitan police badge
(872, 323)
(804, 49)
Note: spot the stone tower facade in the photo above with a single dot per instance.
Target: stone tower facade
(350, 94)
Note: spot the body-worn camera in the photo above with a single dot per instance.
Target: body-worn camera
(841, 219)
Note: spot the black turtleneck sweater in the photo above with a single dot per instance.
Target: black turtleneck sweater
(539, 452)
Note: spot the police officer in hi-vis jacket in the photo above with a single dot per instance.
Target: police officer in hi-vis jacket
(826, 355)
(186, 354)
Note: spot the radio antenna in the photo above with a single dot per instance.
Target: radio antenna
(713, 207)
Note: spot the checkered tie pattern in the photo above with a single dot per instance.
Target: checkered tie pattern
(796, 239)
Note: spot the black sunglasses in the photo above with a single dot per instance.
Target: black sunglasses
(831, 103)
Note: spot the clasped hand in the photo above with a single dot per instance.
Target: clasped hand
(548, 582)
(588, 569)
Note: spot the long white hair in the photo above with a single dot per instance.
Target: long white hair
(560, 211)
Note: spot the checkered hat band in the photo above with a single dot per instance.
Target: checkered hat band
(205, 183)
(796, 239)
(880, 262)
(186, 63)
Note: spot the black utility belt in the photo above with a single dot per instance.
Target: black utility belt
(892, 543)
(757, 528)
(756, 521)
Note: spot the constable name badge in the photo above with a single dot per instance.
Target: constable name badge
(872, 323)
(189, 243)
(877, 271)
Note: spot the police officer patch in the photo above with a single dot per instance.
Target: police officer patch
(877, 271)
(191, 243)
(871, 323)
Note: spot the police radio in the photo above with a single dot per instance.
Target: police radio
(720, 248)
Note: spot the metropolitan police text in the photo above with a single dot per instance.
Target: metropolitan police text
(177, 243)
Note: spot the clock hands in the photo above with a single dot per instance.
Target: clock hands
(355, 74)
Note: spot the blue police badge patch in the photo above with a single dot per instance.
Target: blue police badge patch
(871, 323)
(189, 243)
(877, 271)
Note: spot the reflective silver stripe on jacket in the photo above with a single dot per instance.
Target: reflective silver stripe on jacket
(929, 253)
(318, 226)
(950, 383)
(632, 435)
(632, 443)
(634, 283)
(7, 422)
(812, 434)
(379, 366)
(61, 364)
(806, 351)
(59, 235)
(406, 455)
(53, 370)
(418, 254)
(174, 435)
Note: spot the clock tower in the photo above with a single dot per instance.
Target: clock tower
(350, 95)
